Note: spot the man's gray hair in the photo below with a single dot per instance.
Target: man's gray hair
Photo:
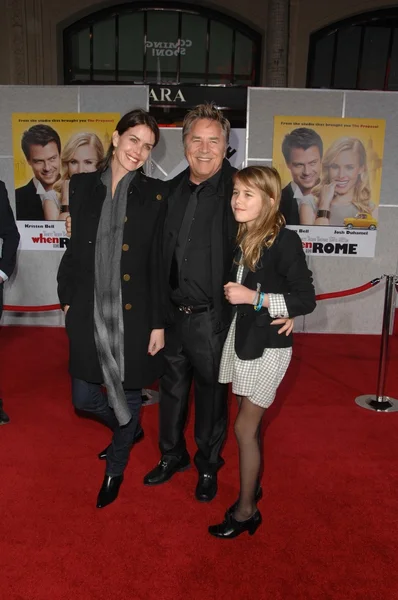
(205, 111)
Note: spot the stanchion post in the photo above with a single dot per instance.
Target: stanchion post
(380, 402)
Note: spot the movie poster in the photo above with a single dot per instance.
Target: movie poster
(48, 149)
(331, 170)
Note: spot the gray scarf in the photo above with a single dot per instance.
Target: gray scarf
(108, 312)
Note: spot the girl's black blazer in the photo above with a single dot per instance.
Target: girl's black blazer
(282, 269)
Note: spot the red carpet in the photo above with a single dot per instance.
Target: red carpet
(330, 507)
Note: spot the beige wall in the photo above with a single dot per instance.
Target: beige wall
(31, 43)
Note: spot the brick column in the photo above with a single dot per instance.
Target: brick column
(277, 43)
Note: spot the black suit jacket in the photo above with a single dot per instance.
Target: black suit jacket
(282, 269)
(223, 237)
(28, 203)
(10, 236)
(140, 272)
(289, 206)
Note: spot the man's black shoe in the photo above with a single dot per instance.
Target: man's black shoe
(109, 490)
(4, 418)
(207, 487)
(138, 437)
(165, 470)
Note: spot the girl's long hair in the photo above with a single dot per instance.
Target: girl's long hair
(362, 192)
(270, 221)
(75, 142)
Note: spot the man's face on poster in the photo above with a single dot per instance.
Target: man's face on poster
(45, 163)
(305, 167)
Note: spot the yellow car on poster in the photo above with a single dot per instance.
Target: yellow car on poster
(361, 221)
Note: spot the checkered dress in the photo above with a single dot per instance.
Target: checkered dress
(256, 379)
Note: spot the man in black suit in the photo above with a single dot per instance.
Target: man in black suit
(10, 238)
(41, 145)
(199, 239)
(302, 150)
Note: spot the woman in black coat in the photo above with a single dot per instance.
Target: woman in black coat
(110, 285)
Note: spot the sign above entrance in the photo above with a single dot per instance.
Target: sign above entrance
(231, 97)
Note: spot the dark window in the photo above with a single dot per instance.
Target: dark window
(323, 60)
(358, 53)
(392, 70)
(131, 43)
(347, 58)
(193, 49)
(161, 44)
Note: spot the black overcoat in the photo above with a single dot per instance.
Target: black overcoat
(140, 272)
(282, 269)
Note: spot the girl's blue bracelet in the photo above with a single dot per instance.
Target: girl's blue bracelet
(260, 302)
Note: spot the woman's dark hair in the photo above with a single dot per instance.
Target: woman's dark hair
(131, 119)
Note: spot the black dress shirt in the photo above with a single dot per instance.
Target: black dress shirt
(190, 277)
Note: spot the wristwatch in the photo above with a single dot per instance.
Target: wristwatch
(323, 214)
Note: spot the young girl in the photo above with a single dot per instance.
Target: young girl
(270, 280)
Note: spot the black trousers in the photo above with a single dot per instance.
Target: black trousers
(89, 397)
(193, 351)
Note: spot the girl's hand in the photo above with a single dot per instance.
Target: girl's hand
(156, 341)
(287, 325)
(326, 196)
(236, 293)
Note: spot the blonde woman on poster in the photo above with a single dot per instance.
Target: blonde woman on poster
(344, 190)
(81, 154)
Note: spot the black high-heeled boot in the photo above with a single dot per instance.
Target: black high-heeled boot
(258, 496)
(231, 528)
(109, 490)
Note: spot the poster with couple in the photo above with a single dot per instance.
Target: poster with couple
(331, 170)
(48, 149)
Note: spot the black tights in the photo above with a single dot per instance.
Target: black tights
(247, 431)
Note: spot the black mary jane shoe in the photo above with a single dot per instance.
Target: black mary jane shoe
(258, 496)
(109, 490)
(138, 437)
(231, 528)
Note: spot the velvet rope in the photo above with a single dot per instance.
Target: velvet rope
(341, 294)
(45, 308)
(350, 292)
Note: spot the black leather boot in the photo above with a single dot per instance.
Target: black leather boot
(109, 490)
(231, 528)
(258, 496)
